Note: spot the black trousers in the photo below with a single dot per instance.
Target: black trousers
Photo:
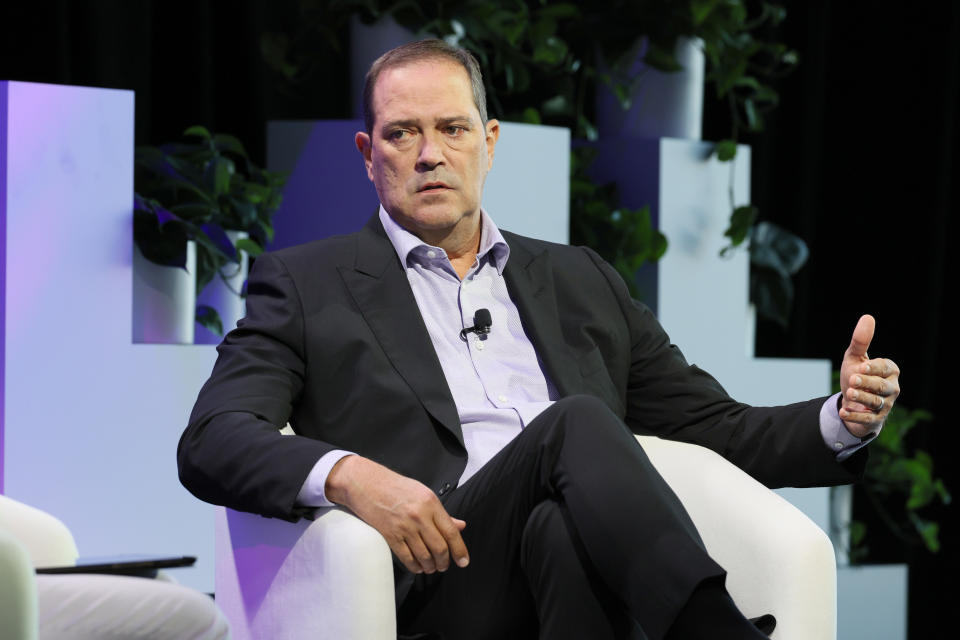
(572, 533)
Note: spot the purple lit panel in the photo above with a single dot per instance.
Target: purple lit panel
(328, 192)
(3, 259)
(91, 420)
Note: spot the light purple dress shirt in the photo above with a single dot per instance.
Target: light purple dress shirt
(498, 384)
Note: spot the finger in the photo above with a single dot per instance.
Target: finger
(862, 387)
(862, 336)
(863, 400)
(405, 556)
(437, 546)
(421, 554)
(882, 367)
(865, 419)
(459, 524)
(451, 533)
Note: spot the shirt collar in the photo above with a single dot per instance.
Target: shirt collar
(491, 240)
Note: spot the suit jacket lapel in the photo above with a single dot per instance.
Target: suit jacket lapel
(530, 283)
(380, 288)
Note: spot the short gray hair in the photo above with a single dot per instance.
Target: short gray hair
(431, 49)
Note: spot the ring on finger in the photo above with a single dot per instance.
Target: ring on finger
(880, 406)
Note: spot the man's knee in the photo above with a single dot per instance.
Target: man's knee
(590, 416)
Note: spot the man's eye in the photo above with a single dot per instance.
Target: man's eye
(399, 134)
(454, 130)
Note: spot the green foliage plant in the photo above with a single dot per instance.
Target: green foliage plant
(627, 235)
(899, 484)
(198, 190)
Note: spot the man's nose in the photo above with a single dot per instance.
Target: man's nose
(431, 152)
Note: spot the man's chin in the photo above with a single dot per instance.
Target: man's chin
(434, 220)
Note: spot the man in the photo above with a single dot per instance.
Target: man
(498, 466)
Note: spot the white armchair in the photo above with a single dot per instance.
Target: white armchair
(86, 606)
(333, 578)
(28, 538)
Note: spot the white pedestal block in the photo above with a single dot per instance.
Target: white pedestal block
(702, 299)
(223, 293)
(872, 602)
(164, 299)
(90, 419)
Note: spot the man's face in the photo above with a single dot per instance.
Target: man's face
(428, 152)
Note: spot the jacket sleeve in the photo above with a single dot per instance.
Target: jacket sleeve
(667, 397)
(231, 452)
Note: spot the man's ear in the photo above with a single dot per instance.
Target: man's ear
(493, 134)
(365, 147)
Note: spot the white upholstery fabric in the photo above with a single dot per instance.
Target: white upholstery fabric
(18, 590)
(333, 578)
(47, 540)
(777, 560)
(85, 606)
(107, 607)
(327, 578)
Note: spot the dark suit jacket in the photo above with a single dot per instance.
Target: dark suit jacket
(333, 342)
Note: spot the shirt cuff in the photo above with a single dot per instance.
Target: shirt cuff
(834, 432)
(311, 493)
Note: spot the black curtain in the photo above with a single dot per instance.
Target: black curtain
(860, 159)
(189, 62)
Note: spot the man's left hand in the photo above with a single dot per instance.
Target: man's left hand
(869, 386)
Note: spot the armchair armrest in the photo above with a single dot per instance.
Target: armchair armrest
(327, 578)
(18, 590)
(778, 560)
(47, 540)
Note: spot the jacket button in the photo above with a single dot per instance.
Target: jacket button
(446, 487)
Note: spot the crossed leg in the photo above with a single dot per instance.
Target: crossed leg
(608, 514)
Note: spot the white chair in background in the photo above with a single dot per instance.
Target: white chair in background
(86, 606)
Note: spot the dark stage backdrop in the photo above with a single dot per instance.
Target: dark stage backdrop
(861, 160)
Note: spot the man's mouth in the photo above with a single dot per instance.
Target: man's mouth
(433, 186)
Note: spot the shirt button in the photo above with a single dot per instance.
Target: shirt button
(479, 344)
(838, 445)
(502, 398)
(431, 254)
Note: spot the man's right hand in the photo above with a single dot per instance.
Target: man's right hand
(407, 513)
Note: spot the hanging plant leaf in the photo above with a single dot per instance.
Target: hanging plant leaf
(217, 173)
(208, 317)
(226, 142)
(741, 221)
(198, 131)
(774, 247)
(252, 248)
(771, 292)
(726, 150)
(216, 239)
(160, 235)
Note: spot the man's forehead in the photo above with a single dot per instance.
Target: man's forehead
(400, 83)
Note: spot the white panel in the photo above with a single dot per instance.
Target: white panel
(703, 300)
(872, 603)
(528, 189)
(92, 420)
